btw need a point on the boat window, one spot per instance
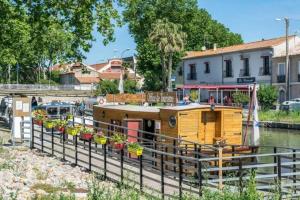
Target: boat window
(52, 111)
(64, 110)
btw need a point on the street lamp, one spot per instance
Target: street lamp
(124, 52)
(287, 74)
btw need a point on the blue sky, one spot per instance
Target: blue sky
(253, 19)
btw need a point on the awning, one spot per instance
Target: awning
(215, 87)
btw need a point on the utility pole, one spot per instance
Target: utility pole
(287, 74)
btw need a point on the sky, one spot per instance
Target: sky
(253, 19)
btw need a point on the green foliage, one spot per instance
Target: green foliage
(118, 138)
(267, 96)
(130, 86)
(194, 95)
(55, 196)
(240, 98)
(198, 25)
(169, 40)
(107, 87)
(35, 35)
(279, 116)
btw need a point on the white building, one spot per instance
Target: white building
(234, 65)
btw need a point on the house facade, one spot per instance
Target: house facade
(279, 76)
(234, 65)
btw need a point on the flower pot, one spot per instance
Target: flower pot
(137, 152)
(38, 122)
(48, 125)
(61, 129)
(119, 146)
(100, 140)
(86, 136)
(72, 131)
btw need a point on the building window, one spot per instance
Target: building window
(246, 67)
(180, 72)
(228, 68)
(207, 68)
(281, 73)
(193, 74)
(266, 65)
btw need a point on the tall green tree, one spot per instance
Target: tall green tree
(169, 40)
(200, 28)
(36, 34)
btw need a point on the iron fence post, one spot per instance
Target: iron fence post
(180, 175)
(52, 142)
(279, 175)
(90, 155)
(104, 154)
(275, 160)
(294, 171)
(174, 153)
(166, 157)
(42, 137)
(76, 150)
(63, 143)
(162, 176)
(121, 162)
(141, 172)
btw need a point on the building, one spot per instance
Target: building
(234, 65)
(279, 74)
(88, 76)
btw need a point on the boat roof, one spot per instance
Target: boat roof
(137, 108)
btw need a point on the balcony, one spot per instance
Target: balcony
(281, 78)
(192, 76)
(264, 71)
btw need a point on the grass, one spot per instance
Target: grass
(40, 175)
(46, 187)
(279, 116)
(55, 197)
(68, 185)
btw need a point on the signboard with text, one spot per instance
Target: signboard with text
(246, 80)
(161, 97)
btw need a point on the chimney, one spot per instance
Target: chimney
(215, 46)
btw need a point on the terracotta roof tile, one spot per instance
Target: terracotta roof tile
(240, 47)
(110, 75)
(98, 66)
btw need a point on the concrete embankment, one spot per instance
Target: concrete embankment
(270, 124)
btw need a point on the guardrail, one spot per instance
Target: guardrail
(170, 166)
(44, 87)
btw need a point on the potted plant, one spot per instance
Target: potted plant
(69, 116)
(39, 116)
(99, 138)
(49, 123)
(60, 125)
(135, 148)
(73, 130)
(118, 140)
(86, 133)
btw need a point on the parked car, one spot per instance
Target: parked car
(292, 105)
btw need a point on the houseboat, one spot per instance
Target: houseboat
(203, 124)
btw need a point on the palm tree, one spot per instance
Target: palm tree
(169, 40)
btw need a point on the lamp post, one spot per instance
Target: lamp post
(121, 85)
(287, 73)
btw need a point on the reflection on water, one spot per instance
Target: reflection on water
(280, 137)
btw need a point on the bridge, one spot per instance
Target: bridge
(45, 90)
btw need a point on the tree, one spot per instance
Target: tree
(240, 98)
(267, 95)
(37, 34)
(169, 40)
(130, 86)
(107, 87)
(200, 28)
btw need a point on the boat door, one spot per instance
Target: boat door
(209, 121)
(189, 126)
(133, 125)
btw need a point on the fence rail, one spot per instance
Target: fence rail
(170, 167)
(44, 87)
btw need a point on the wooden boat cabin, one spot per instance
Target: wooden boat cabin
(204, 124)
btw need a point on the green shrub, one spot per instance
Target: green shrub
(130, 86)
(107, 87)
(194, 95)
(267, 95)
(240, 98)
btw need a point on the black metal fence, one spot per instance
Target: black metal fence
(170, 166)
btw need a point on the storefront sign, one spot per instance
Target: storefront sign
(126, 98)
(246, 80)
